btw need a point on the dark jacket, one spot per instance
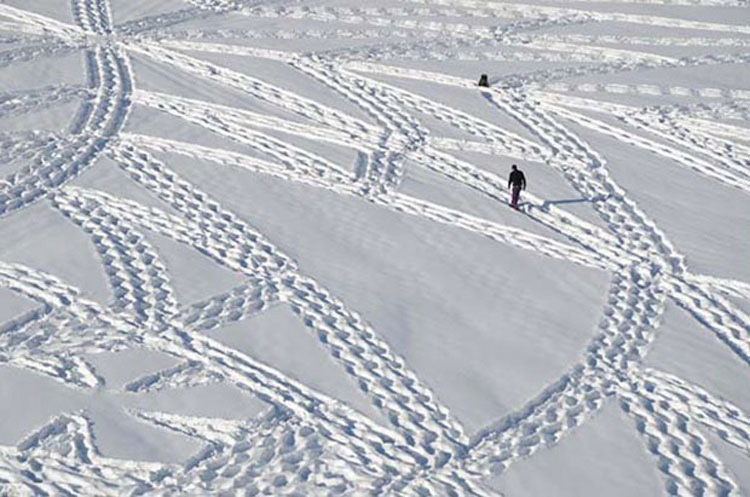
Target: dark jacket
(517, 178)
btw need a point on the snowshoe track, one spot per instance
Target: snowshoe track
(309, 443)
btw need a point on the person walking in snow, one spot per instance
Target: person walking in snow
(516, 181)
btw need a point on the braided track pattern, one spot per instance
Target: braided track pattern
(306, 442)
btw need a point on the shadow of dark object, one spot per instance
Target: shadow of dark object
(563, 201)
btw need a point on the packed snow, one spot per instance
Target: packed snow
(265, 248)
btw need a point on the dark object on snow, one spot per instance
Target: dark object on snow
(517, 182)
(516, 178)
(483, 81)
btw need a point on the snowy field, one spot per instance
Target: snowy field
(265, 248)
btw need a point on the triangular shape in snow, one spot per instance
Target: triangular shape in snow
(282, 75)
(109, 178)
(215, 400)
(155, 123)
(13, 306)
(193, 276)
(119, 368)
(122, 436)
(279, 339)
(603, 457)
(687, 349)
(47, 241)
(212, 430)
(166, 78)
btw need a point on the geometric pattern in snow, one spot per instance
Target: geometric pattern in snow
(278, 338)
(587, 463)
(310, 443)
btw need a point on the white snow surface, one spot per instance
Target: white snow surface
(258, 247)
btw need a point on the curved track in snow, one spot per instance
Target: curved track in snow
(307, 442)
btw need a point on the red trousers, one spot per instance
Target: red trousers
(515, 194)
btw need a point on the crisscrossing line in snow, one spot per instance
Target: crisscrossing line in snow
(308, 442)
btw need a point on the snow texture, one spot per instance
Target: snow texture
(258, 247)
